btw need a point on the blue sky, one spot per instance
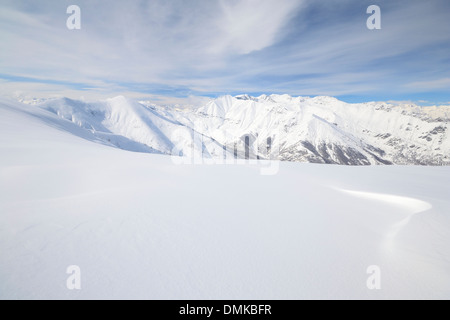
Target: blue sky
(183, 48)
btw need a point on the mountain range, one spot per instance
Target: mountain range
(275, 127)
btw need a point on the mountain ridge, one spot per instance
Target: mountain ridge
(279, 127)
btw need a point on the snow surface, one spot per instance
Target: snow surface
(140, 226)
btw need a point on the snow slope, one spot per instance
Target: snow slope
(132, 126)
(140, 226)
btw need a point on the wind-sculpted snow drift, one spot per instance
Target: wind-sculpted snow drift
(300, 129)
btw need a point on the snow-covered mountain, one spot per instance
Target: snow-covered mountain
(300, 129)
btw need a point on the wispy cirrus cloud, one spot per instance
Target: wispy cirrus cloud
(431, 85)
(252, 25)
(197, 47)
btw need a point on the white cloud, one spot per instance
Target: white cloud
(136, 41)
(227, 45)
(33, 90)
(251, 25)
(431, 85)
